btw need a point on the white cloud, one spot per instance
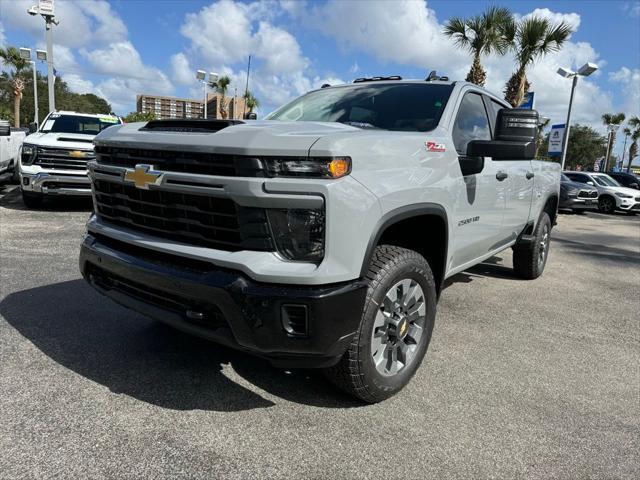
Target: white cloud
(629, 81)
(3, 38)
(182, 72)
(572, 19)
(79, 21)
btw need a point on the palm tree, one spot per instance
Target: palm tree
(611, 119)
(250, 101)
(544, 123)
(493, 31)
(534, 38)
(633, 123)
(221, 86)
(11, 58)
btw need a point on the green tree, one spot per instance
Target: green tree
(585, 146)
(493, 31)
(11, 59)
(250, 101)
(140, 117)
(221, 86)
(535, 37)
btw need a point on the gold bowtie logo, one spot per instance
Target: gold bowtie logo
(142, 176)
(77, 154)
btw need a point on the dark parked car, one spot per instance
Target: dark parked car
(629, 180)
(577, 196)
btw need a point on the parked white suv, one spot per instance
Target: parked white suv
(611, 195)
(53, 159)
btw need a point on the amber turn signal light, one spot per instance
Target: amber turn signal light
(339, 167)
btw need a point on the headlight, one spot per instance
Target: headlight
(298, 233)
(319, 167)
(623, 195)
(572, 192)
(28, 153)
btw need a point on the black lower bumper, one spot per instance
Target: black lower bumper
(225, 306)
(570, 203)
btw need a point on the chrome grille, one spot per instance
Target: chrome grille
(62, 159)
(187, 218)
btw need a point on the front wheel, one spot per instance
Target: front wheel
(395, 327)
(529, 260)
(606, 204)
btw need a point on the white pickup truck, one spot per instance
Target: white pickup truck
(321, 236)
(10, 143)
(53, 158)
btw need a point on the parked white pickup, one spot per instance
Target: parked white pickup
(10, 142)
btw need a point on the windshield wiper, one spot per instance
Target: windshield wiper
(360, 125)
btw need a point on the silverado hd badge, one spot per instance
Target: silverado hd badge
(142, 176)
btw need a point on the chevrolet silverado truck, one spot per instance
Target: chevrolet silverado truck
(321, 236)
(53, 159)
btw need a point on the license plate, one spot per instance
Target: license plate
(588, 202)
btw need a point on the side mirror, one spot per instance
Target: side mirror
(251, 116)
(515, 137)
(5, 130)
(590, 183)
(33, 127)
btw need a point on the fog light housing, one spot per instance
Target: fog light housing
(298, 233)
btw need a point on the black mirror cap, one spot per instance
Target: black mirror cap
(502, 149)
(517, 125)
(33, 127)
(5, 130)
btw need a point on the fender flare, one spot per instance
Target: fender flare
(403, 213)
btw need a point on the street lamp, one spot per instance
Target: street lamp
(584, 71)
(45, 9)
(25, 53)
(201, 76)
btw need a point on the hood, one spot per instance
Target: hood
(263, 137)
(75, 141)
(577, 186)
(629, 191)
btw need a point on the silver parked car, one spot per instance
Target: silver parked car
(611, 195)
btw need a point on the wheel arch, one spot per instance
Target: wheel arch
(429, 218)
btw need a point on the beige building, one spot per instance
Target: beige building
(169, 107)
(235, 106)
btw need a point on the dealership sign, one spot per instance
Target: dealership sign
(555, 140)
(45, 7)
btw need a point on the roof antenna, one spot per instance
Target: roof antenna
(432, 76)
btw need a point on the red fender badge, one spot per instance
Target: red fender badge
(435, 147)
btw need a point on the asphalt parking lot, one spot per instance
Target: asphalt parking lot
(523, 379)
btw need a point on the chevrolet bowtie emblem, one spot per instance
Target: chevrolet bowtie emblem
(142, 176)
(77, 154)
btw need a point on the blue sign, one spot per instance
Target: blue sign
(556, 136)
(527, 102)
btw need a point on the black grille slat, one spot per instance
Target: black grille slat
(182, 162)
(187, 218)
(58, 158)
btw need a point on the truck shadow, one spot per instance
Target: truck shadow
(11, 198)
(132, 355)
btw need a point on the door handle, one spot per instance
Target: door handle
(501, 176)
(530, 175)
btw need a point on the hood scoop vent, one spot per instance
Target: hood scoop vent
(188, 125)
(70, 139)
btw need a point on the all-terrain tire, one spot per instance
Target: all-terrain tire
(529, 260)
(356, 372)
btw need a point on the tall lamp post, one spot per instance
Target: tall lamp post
(201, 76)
(45, 9)
(25, 53)
(584, 71)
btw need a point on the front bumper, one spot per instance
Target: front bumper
(578, 203)
(629, 205)
(224, 305)
(56, 183)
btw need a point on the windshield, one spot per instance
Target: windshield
(605, 181)
(410, 107)
(77, 124)
(564, 178)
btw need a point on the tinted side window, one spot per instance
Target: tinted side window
(578, 177)
(471, 122)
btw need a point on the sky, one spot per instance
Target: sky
(121, 48)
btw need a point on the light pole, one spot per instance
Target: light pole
(584, 71)
(25, 53)
(201, 76)
(45, 9)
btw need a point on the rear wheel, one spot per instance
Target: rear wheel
(606, 204)
(529, 260)
(395, 328)
(32, 200)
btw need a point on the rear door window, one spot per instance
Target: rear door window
(471, 122)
